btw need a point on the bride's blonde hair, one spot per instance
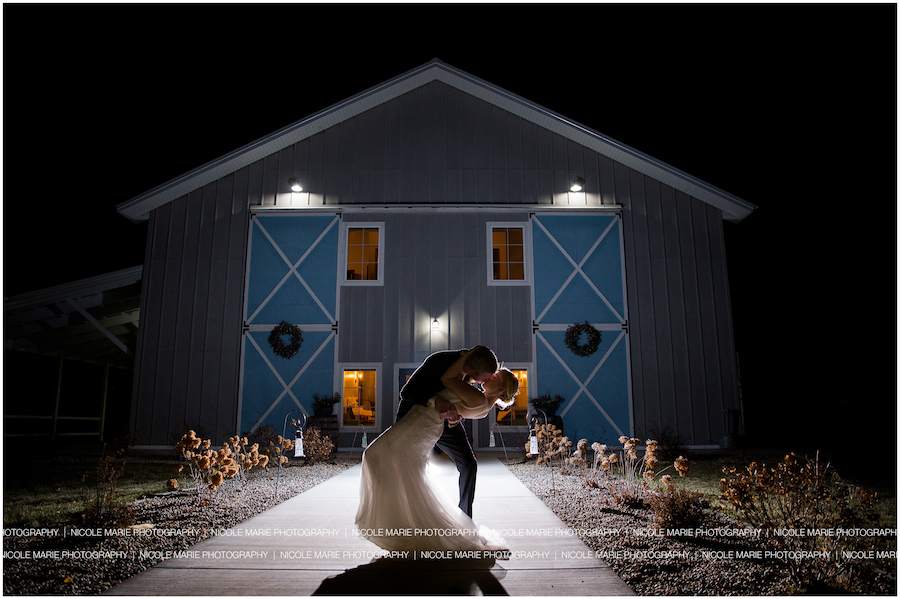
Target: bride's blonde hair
(507, 397)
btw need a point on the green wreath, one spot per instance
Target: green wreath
(573, 337)
(277, 343)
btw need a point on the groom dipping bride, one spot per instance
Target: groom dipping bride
(395, 493)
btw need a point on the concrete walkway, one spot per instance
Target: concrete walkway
(307, 546)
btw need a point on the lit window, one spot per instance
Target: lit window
(359, 397)
(363, 251)
(362, 254)
(517, 413)
(507, 248)
(509, 254)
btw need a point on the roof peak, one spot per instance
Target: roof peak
(139, 207)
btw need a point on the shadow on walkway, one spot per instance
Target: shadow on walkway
(390, 576)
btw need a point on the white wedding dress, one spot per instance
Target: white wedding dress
(399, 508)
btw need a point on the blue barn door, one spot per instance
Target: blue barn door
(291, 277)
(579, 277)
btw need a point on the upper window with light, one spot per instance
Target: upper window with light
(507, 248)
(364, 243)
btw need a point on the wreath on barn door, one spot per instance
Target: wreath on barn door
(277, 343)
(573, 338)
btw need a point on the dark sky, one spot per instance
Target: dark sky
(790, 107)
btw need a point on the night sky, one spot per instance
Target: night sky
(792, 108)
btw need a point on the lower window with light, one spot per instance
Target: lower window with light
(359, 397)
(517, 413)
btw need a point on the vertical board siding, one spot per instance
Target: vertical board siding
(682, 354)
(144, 369)
(436, 266)
(189, 330)
(435, 145)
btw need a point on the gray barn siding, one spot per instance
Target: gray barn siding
(682, 350)
(432, 145)
(435, 266)
(436, 145)
(190, 336)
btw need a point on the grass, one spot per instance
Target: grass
(45, 492)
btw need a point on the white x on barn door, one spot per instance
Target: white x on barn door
(579, 276)
(291, 277)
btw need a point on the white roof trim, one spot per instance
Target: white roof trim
(139, 207)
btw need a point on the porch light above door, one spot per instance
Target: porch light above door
(577, 184)
(295, 185)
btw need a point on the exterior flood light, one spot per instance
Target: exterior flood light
(577, 184)
(295, 185)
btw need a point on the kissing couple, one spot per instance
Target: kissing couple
(395, 492)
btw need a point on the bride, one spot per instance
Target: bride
(399, 509)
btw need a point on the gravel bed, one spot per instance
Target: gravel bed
(101, 567)
(650, 564)
(653, 564)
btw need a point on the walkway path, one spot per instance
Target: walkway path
(545, 560)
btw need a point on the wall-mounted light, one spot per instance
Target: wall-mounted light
(295, 185)
(577, 184)
(435, 325)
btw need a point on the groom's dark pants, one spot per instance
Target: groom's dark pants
(455, 444)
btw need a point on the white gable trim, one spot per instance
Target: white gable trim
(139, 207)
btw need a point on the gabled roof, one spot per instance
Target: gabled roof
(139, 207)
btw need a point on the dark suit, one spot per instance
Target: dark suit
(424, 384)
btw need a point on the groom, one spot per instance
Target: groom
(425, 383)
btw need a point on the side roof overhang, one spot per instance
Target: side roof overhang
(139, 208)
(91, 320)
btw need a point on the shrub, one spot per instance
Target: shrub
(316, 446)
(264, 438)
(210, 468)
(579, 458)
(803, 495)
(102, 508)
(549, 404)
(676, 508)
(628, 477)
(551, 444)
(277, 449)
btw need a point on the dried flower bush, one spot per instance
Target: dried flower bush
(675, 508)
(262, 437)
(103, 508)
(629, 477)
(551, 444)
(579, 461)
(631, 474)
(317, 447)
(278, 447)
(210, 468)
(579, 457)
(804, 495)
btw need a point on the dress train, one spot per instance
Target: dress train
(400, 509)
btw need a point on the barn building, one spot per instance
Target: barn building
(435, 211)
